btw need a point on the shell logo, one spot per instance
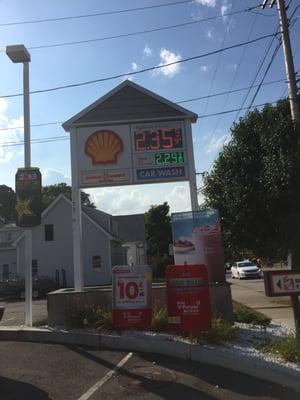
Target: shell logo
(103, 147)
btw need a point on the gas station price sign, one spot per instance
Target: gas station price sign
(155, 138)
(172, 158)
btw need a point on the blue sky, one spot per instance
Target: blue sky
(62, 65)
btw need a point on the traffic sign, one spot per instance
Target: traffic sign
(282, 283)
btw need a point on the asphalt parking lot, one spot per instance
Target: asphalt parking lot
(14, 314)
(44, 371)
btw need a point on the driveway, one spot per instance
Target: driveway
(43, 371)
(14, 313)
(251, 292)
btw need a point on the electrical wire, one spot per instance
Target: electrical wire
(99, 14)
(130, 34)
(153, 68)
(60, 138)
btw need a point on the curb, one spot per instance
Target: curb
(273, 372)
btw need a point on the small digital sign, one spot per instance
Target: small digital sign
(151, 139)
(28, 191)
(172, 158)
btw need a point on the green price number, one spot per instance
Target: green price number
(172, 158)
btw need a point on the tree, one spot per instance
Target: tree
(255, 184)
(7, 203)
(49, 193)
(158, 230)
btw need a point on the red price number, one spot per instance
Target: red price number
(157, 139)
(129, 290)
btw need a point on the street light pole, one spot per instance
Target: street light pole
(19, 54)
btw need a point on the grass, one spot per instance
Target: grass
(247, 315)
(94, 316)
(287, 348)
(40, 322)
(220, 332)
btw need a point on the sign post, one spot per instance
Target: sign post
(131, 288)
(285, 283)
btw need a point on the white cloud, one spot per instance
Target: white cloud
(209, 33)
(147, 51)
(225, 8)
(216, 143)
(12, 132)
(167, 57)
(204, 68)
(231, 67)
(52, 177)
(134, 66)
(208, 3)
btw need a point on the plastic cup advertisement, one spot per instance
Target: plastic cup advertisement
(197, 239)
(132, 306)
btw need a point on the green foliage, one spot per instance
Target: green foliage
(159, 319)
(255, 184)
(287, 348)
(40, 322)
(49, 194)
(80, 315)
(7, 203)
(220, 332)
(247, 315)
(158, 229)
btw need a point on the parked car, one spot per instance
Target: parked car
(15, 288)
(245, 269)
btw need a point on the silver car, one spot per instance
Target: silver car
(245, 269)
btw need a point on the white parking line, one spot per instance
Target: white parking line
(106, 377)
(8, 319)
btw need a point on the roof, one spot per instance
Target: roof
(132, 227)
(129, 102)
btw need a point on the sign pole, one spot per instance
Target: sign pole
(296, 311)
(191, 166)
(28, 232)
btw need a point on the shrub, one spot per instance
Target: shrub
(287, 348)
(247, 315)
(160, 319)
(220, 332)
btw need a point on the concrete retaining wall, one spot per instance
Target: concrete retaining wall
(61, 302)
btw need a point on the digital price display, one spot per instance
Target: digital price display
(147, 139)
(172, 158)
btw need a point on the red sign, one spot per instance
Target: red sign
(188, 298)
(132, 287)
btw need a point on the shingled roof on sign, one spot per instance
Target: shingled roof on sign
(129, 102)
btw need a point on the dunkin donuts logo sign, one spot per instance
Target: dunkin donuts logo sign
(103, 147)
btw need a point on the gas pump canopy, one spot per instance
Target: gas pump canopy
(131, 136)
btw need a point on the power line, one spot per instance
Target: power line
(60, 138)
(130, 34)
(178, 102)
(104, 13)
(153, 68)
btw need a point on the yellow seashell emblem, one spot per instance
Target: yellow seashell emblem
(103, 147)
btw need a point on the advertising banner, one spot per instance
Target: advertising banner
(188, 298)
(282, 283)
(131, 302)
(28, 191)
(197, 239)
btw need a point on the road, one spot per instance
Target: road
(43, 371)
(251, 292)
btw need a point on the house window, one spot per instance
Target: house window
(9, 237)
(34, 267)
(49, 233)
(5, 272)
(96, 261)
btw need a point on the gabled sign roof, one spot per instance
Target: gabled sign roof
(129, 102)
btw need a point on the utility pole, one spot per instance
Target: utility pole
(295, 113)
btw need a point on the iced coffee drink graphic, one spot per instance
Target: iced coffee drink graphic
(209, 250)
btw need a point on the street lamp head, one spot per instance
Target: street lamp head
(18, 53)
